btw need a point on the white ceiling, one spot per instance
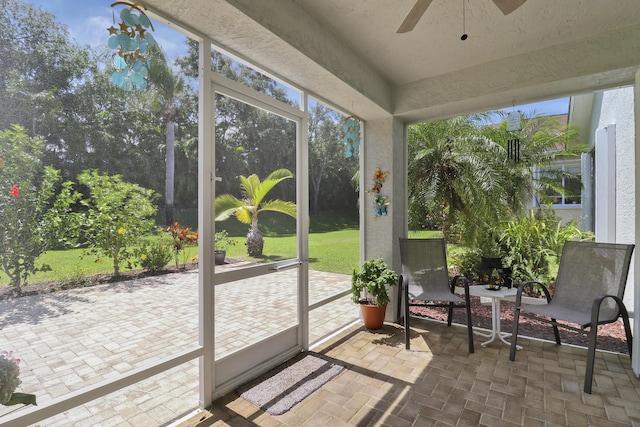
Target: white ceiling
(348, 52)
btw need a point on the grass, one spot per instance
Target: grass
(334, 246)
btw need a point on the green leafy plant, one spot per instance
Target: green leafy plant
(223, 241)
(28, 225)
(153, 257)
(369, 282)
(117, 214)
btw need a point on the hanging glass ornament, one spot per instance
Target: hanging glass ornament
(351, 128)
(131, 40)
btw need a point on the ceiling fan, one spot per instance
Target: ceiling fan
(418, 9)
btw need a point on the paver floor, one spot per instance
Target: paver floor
(70, 339)
(438, 383)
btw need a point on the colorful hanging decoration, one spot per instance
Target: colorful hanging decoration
(380, 202)
(132, 41)
(351, 128)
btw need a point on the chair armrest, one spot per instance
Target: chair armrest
(454, 282)
(465, 284)
(597, 302)
(522, 285)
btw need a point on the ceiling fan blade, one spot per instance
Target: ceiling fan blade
(508, 6)
(413, 16)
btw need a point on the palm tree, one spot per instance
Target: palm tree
(168, 85)
(452, 173)
(460, 176)
(246, 210)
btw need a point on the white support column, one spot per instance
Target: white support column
(384, 147)
(302, 175)
(605, 215)
(206, 170)
(635, 360)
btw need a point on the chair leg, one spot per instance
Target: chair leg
(467, 301)
(556, 333)
(591, 358)
(450, 314)
(469, 325)
(627, 329)
(514, 335)
(407, 330)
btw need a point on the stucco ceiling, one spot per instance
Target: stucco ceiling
(348, 51)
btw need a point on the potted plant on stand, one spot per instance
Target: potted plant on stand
(221, 244)
(369, 289)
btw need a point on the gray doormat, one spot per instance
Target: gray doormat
(280, 389)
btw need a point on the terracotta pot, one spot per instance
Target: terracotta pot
(373, 315)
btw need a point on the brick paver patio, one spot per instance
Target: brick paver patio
(70, 339)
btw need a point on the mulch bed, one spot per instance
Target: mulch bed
(611, 337)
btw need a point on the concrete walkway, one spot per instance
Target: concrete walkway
(71, 339)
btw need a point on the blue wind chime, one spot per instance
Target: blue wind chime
(132, 41)
(351, 129)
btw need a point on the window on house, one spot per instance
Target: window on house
(561, 184)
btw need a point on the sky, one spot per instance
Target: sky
(88, 20)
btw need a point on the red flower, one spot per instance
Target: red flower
(15, 191)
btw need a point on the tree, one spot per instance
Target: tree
(38, 69)
(329, 168)
(247, 209)
(452, 173)
(460, 176)
(168, 85)
(117, 215)
(27, 190)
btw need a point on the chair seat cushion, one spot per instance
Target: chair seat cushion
(436, 295)
(559, 313)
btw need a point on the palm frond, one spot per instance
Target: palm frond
(227, 205)
(288, 208)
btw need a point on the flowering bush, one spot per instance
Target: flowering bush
(117, 215)
(9, 381)
(182, 236)
(31, 215)
(154, 256)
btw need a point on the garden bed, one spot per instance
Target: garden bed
(611, 337)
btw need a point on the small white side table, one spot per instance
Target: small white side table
(496, 297)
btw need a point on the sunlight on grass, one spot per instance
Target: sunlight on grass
(331, 251)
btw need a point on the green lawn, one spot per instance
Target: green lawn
(334, 251)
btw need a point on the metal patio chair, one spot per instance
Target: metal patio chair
(425, 282)
(588, 292)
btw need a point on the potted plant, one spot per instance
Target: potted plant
(222, 242)
(369, 289)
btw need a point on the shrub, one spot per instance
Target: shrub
(117, 215)
(31, 217)
(155, 256)
(531, 245)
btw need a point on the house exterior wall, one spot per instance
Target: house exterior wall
(616, 107)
